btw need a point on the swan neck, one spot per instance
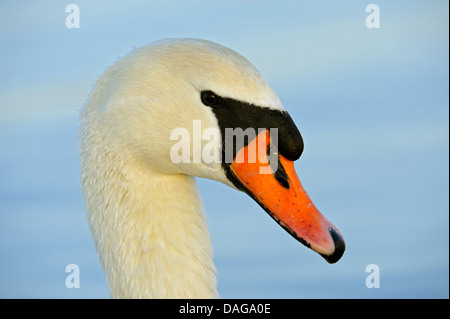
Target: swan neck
(151, 233)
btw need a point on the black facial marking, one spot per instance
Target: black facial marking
(281, 176)
(232, 113)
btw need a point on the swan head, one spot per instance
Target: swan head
(194, 107)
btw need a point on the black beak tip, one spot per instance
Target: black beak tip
(339, 247)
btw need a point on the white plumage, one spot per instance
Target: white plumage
(144, 211)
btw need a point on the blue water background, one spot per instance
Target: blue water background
(372, 106)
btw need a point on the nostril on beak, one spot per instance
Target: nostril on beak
(339, 247)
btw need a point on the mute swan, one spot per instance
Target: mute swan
(143, 208)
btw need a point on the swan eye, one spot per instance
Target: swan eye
(209, 98)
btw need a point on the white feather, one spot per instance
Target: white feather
(144, 211)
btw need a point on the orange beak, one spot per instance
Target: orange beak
(278, 190)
